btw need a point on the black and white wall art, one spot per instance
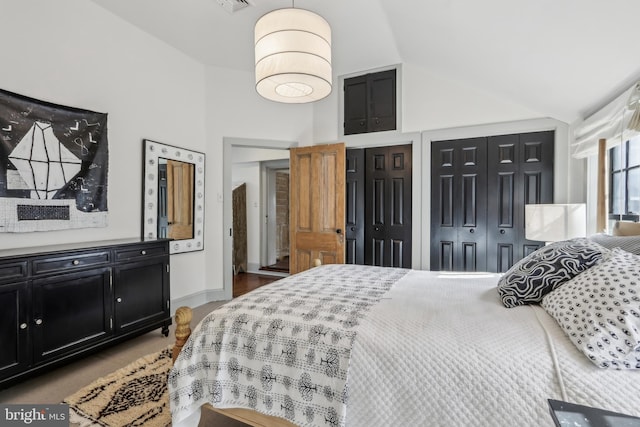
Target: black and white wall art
(53, 166)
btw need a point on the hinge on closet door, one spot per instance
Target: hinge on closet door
(111, 323)
(167, 268)
(111, 281)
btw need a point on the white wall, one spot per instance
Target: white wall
(75, 53)
(428, 101)
(235, 112)
(439, 108)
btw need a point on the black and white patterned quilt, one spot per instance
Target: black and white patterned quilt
(282, 350)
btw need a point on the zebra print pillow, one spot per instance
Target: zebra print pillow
(544, 270)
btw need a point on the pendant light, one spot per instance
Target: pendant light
(293, 56)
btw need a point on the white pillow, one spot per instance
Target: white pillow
(628, 243)
(599, 310)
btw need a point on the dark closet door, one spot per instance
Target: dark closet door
(382, 108)
(388, 206)
(520, 172)
(370, 103)
(356, 105)
(459, 205)
(354, 206)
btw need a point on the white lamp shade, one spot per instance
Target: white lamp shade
(293, 56)
(552, 223)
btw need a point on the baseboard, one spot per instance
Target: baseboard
(197, 299)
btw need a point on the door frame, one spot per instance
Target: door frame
(228, 143)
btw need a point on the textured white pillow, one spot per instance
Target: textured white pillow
(628, 243)
(599, 310)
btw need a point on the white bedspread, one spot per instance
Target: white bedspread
(441, 350)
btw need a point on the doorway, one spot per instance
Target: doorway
(243, 159)
(275, 233)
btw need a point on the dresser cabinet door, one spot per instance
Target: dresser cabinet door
(14, 356)
(141, 292)
(70, 312)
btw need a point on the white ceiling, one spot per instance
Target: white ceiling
(562, 58)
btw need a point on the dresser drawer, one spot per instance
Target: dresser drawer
(12, 271)
(141, 252)
(70, 262)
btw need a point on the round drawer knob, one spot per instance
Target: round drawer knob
(38, 321)
(472, 231)
(502, 231)
(143, 252)
(23, 326)
(75, 262)
(119, 299)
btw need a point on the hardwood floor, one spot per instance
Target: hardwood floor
(246, 282)
(282, 266)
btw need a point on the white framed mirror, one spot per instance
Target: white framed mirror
(173, 198)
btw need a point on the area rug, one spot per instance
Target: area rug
(135, 395)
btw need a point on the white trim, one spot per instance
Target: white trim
(197, 299)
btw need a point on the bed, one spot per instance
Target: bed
(345, 345)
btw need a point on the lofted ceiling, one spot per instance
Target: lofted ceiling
(561, 58)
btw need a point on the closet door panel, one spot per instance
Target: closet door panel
(520, 169)
(536, 164)
(388, 206)
(459, 202)
(471, 214)
(444, 234)
(502, 170)
(354, 206)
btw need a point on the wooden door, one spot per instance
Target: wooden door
(180, 199)
(520, 172)
(355, 206)
(239, 196)
(317, 206)
(459, 205)
(388, 181)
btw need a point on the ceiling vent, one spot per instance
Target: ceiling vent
(232, 6)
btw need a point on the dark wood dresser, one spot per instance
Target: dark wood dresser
(58, 303)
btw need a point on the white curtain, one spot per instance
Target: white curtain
(617, 121)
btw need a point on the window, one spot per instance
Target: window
(624, 181)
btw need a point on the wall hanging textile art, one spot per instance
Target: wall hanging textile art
(53, 166)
